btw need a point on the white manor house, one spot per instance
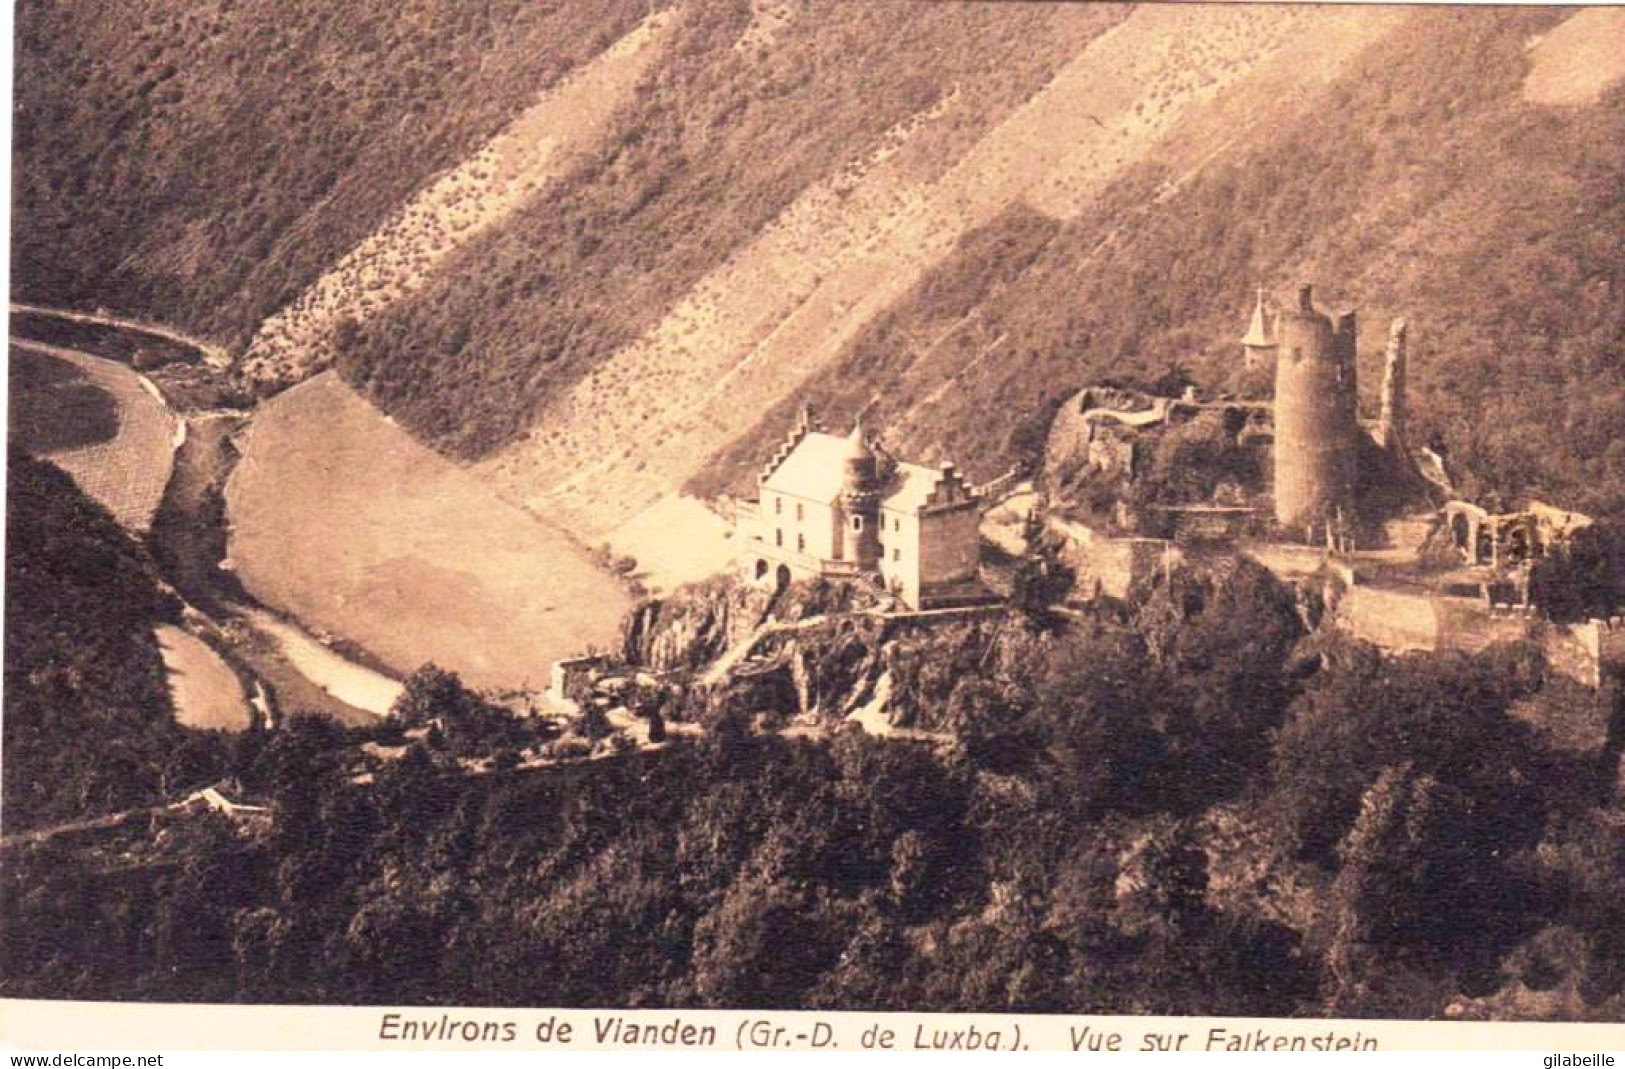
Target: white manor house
(839, 506)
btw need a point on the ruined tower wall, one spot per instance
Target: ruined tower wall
(1391, 424)
(1316, 427)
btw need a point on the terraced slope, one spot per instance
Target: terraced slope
(1420, 180)
(953, 212)
(396, 260)
(202, 164)
(750, 161)
(749, 335)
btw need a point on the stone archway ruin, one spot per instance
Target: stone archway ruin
(1468, 533)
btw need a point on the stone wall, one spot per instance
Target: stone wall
(1401, 621)
(1588, 651)
(1287, 562)
(1106, 566)
(1397, 621)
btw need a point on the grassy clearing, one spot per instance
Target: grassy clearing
(206, 692)
(98, 422)
(1577, 62)
(55, 406)
(342, 519)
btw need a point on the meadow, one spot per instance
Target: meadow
(403, 552)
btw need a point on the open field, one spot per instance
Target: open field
(1576, 62)
(55, 406)
(99, 422)
(342, 519)
(206, 692)
(677, 540)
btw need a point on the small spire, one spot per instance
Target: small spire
(858, 447)
(1259, 335)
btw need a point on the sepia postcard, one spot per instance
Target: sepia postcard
(796, 524)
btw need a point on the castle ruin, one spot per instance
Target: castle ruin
(1305, 487)
(1316, 417)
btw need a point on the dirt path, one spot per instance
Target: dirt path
(111, 820)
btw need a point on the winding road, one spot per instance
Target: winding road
(127, 477)
(214, 355)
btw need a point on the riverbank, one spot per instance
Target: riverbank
(175, 503)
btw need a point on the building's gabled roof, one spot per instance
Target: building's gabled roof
(1259, 335)
(814, 470)
(914, 488)
(910, 488)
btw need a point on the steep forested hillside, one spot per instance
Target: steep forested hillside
(1155, 808)
(726, 133)
(88, 722)
(205, 166)
(1420, 184)
(202, 163)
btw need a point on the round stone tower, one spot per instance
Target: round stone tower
(1316, 420)
(858, 513)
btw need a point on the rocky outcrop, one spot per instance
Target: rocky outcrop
(702, 622)
(694, 626)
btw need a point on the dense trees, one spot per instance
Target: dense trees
(88, 723)
(1150, 808)
(203, 165)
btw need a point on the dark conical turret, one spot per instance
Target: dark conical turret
(1258, 345)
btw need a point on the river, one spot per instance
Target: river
(206, 692)
(345, 680)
